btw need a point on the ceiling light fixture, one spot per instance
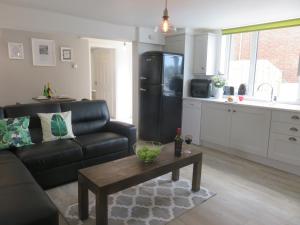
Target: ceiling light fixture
(165, 26)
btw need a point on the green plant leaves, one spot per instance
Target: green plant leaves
(14, 132)
(58, 126)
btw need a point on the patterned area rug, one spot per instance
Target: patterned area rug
(155, 202)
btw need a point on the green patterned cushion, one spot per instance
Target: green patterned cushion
(56, 126)
(14, 132)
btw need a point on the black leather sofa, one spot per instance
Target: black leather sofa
(25, 171)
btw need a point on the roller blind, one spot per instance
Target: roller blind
(264, 26)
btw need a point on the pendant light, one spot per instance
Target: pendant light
(165, 26)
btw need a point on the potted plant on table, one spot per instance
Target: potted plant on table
(218, 84)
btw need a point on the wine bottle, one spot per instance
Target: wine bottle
(49, 91)
(178, 143)
(45, 91)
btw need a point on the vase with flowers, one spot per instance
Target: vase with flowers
(218, 84)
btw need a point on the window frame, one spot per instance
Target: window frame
(253, 62)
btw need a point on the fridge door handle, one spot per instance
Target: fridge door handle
(143, 78)
(143, 89)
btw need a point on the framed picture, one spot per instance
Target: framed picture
(43, 52)
(15, 50)
(66, 54)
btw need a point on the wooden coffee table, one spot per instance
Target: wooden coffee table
(114, 176)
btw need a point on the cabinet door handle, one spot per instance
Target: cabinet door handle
(295, 117)
(294, 129)
(293, 139)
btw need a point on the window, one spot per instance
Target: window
(269, 56)
(239, 60)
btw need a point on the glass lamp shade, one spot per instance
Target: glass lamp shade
(165, 26)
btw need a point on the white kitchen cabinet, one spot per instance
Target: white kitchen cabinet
(191, 118)
(250, 130)
(285, 148)
(285, 137)
(206, 58)
(149, 36)
(215, 123)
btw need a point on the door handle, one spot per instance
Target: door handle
(293, 139)
(295, 117)
(143, 78)
(143, 89)
(229, 110)
(234, 110)
(294, 129)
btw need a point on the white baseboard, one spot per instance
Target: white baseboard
(265, 161)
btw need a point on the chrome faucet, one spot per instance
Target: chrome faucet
(272, 90)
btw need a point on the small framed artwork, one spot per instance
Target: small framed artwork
(43, 52)
(15, 50)
(66, 54)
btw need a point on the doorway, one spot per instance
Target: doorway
(111, 76)
(104, 77)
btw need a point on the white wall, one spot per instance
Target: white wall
(124, 82)
(20, 81)
(21, 18)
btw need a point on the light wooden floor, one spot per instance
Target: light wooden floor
(247, 194)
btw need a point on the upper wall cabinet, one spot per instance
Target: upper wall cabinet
(149, 36)
(207, 48)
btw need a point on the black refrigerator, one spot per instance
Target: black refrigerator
(161, 84)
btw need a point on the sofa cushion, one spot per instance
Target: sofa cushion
(14, 132)
(23, 202)
(99, 144)
(26, 204)
(32, 110)
(56, 126)
(7, 156)
(49, 155)
(12, 170)
(87, 116)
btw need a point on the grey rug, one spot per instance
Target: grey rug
(155, 202)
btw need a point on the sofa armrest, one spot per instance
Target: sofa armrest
(127, 130)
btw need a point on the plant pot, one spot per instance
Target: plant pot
(219, 93)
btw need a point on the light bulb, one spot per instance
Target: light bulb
(165, 26)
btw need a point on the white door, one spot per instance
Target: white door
(215, 123)
(104, 77)
(191, 118)
(250, 129)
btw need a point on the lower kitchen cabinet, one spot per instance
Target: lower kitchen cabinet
(285, 148)
(215, 123)
(250, 128)
(191, 116)
(272, 135)
(243, 128)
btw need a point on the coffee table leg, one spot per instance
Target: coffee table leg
(175, 175)
(197, 176)
(83, 200)
(101, 208)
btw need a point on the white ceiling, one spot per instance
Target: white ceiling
(211, 14)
